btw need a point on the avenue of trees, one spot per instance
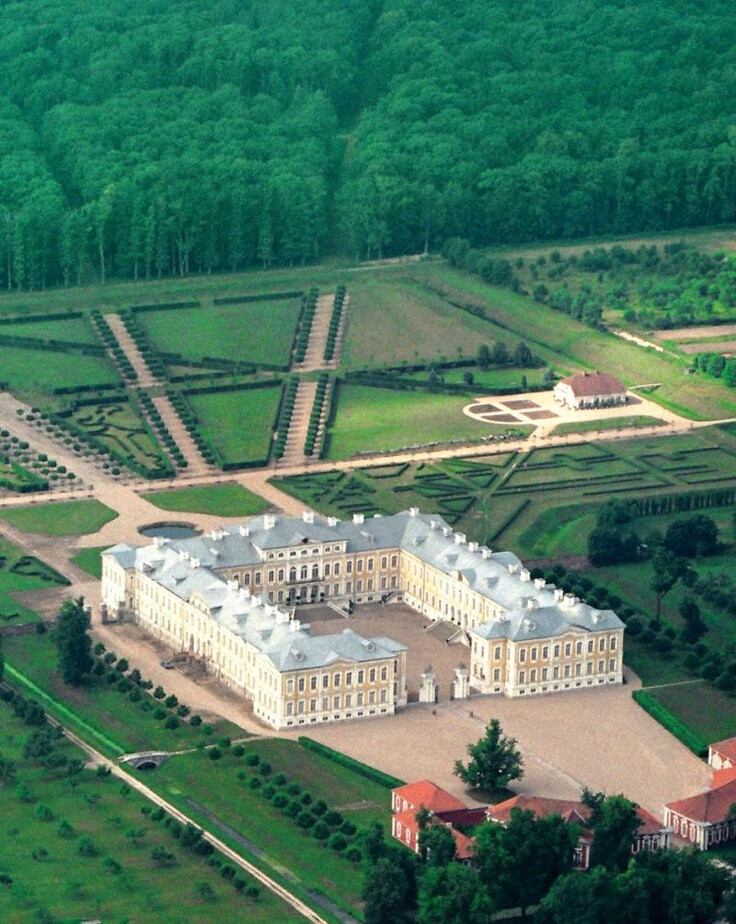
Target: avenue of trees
(142, 138)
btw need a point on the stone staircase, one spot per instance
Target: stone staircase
(298, 425)
(314, 359)
(146, 379)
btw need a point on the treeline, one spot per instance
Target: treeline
(141, 139)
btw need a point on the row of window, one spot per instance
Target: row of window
(566, 673)
(373, 673)
(533, 650)
(337, 702)
(306, 572)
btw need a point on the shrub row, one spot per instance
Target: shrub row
(305, 325)
(334, 327)
(56, 346)
(163, 306)
(370, 773)
(45, 316)
(111, 342)
(284, 418)
(188, 418)
(20, 479)
(697, 500)
(268, 297)
(669, 721)
(225, 366)
(161, 428)
(83, 389)
(386, 379)
(150, 355)
(316, 415)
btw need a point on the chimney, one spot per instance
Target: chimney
(269, 521)
(460, 538)
(358, 518)
(486, 552)
(525, 575)
(308, 516)
(413, 511)
(332, 521)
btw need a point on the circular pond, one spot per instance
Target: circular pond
(170, 530)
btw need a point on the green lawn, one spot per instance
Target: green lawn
(503, 377)
(126, 726)
(60, 518)
(610, 423)
(33, 373)
(216, 785)
(15, 577)
(89, 560)
(73, 330)
(55, 877)
(380, 419)
(708, 711)
(254, 332)
(239, 424)
(222, 500)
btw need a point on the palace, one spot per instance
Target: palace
(225, 597)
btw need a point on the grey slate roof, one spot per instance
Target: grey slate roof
(531, 609)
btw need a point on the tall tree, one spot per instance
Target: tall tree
(452, 894)
(614, 822)
(494, 760)
(73, 642)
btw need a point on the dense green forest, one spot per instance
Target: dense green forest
(141, 137)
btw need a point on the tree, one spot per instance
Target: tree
(453, 895)
(697, 535)
(7, 770)
(2, 660)
(694, 628)
(614, 822)
(436, 844)
(519, 862)
(73, 642)
(483, 356)
(668, 568)
(384, 893)
(594, 898)
(494, 760)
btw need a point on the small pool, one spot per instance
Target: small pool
(170, 530)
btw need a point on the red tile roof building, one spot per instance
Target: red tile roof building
(706, 819)
(408, 800)
(722, 754)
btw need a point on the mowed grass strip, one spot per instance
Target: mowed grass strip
(239, 424)
(215, 784)
(73, 330)
(610, 423)
(61, 518)
(66, 883)
(253, 332)
(710, 713)
(380, 419)
(221, 500)
(37, 372)
(89, 560)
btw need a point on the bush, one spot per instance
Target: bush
(305, 820)
(293, 789)
(238, 750)
(171, 701)
(319, 807)
(320, 831)
(255, 782)
(333, 819)
(172, 722)
(269, 790)
(280, 800)
(337, 842)
(215, 753)
(265, 768)
(348, 828)
(279, 779)
(353, 854)
(195, 720)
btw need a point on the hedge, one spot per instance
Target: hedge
(370, 773)
(269, 297)
(56, 346)
(46, 316)
(669, 721)
(677, 503)
(164, 306)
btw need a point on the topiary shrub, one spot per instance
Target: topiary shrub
(305, 820)
(337, 842)
(215, 753)
(320, 831)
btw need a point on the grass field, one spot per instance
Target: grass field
(254, 332)
(222, 500)
(503, 377)
(73, 330)
(702, 707)
(611, 423)
(122, 430)
(128, 725)
(239, 424)
(62, 518)
(34, 373)
(89, 560)
(380, 419)
(216, 785)
(100, 866)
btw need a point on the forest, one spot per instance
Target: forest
(145, 138)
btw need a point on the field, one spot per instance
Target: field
(223, 786)
(222, 500)
(380, 419)
(80, 849)
(499, 377)
(64, 518)
(612, 423)
(238, 424)
(122, 431)
(35, 373)
(702, 707)
(260, 333)
(72, 330)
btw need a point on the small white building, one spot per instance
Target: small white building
(590, 389)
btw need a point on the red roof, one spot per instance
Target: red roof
(726, 748)
(569, 810)
(426, 794)
(711, 806)
(590, 384)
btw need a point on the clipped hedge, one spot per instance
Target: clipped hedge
(269, 297)
(669, 721)
(370, 773)
(45, 316)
